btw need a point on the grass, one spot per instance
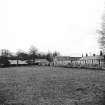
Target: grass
(51, 86)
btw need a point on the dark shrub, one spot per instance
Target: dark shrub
(4, 62)
(29, 62)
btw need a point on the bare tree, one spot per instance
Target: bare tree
(6, 53)
(101, 32)
(33, 53)
(56, 54)
(17, 57)
(50, 58)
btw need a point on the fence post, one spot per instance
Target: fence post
(99, 62)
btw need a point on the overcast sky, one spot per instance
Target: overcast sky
(66, 26)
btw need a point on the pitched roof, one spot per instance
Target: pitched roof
(66, 58)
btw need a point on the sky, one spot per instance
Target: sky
(66, 26)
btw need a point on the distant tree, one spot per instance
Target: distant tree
(94, 54)
(17, 57)
(86, 54)
(56, 54)
(101, 53)
(22, 55)
(33, 53)
(101, 32)
(4, 61)
(6, 53)
(4, 58)
(49, 57)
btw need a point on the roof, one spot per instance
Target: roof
(41, 60)
(66, 58)
(19, 62)
(13, 61)
(96, 57)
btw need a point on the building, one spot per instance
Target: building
(64, 60)
(96, 59)
(19, 62)
(42, 62)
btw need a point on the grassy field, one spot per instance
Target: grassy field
(51, 86)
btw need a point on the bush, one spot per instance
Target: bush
(4, 61)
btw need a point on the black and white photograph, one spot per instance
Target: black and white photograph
(52, 52)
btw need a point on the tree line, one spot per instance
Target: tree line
(30, 56)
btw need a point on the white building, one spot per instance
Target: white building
(97, 59)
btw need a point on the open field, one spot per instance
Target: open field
(51, 86)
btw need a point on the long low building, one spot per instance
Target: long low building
(24, 62)
(14, 62)
(64, 60)
(97, 59)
